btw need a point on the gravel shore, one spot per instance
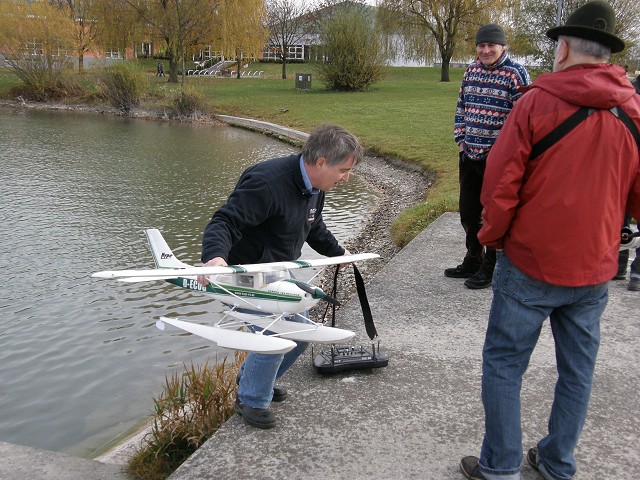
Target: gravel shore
(401, 187)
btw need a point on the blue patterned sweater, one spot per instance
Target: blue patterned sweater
(486, 97)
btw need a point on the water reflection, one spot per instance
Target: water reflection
(81, 358)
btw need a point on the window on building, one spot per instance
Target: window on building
(112, 54)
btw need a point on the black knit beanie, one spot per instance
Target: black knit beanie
(491, 33)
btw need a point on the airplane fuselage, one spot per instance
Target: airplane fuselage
(280, 296)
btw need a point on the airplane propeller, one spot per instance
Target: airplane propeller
(315, 292)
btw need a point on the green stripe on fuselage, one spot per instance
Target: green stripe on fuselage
(237, 269)
(192, 284)
(302, 263)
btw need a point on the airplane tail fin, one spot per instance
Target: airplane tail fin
(162, 254)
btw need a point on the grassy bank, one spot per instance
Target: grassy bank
(408, 116)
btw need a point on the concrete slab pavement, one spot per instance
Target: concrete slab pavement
(25, 463)
(417, 417)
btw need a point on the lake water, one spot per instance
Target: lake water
(80, 358)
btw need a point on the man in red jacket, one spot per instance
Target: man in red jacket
(552, 209)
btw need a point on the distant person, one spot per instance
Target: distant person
(623, 264)
(160, 72)
(623, 258)
(490, 87)
(274, 209)
(554, 216)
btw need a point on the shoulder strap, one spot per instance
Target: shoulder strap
(369, 326)
(626, 119)
(573, 121)
(364, 304)
(560, 131)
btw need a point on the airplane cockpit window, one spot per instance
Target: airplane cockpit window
(275, 276)
(245, 281)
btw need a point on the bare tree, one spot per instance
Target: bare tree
(447, 22)
(288, 23)
(85, 31)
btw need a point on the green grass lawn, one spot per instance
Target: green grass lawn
(408, 116)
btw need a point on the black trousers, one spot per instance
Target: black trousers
(471, 175)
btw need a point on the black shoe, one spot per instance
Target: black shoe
(464, 270)
(279, 393)
(471, 469)
(479, 280)
(256, 417)
(634, 284)
(532, 457)
(621, 275)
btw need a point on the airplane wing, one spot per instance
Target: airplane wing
(166, 273)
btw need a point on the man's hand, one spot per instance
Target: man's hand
(342, 265)
(214, 262)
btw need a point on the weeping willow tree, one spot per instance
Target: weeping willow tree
(526, 22)
(36, 37)
(525, 31)
(442, 27)
(241, 33)
(181, 24)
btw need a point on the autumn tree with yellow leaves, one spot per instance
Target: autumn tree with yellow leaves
(36, 38)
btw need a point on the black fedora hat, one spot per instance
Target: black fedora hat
(594, 21)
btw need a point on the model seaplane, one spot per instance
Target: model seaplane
(264, 289)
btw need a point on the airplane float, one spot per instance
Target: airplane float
(265, 290)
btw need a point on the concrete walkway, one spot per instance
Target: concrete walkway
(417, 417)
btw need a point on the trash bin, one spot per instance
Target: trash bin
(303, 81)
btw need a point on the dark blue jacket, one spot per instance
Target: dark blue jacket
(268, 217)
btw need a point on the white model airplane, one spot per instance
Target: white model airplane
(264, 288)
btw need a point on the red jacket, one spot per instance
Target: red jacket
(558, 217)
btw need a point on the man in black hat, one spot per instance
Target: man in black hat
(489, 89)
(555, 170)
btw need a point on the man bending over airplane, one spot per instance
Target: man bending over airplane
(275, 207)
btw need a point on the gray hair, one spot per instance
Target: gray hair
(588, 47)
(333, 143)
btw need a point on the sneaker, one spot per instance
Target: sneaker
(620, 276)
(634, 284)
(256, 417)
(464, 270)
(532, 457)
(479, 280)
(471, 469)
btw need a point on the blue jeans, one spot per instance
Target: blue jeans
(520, 306)
(259, 372)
